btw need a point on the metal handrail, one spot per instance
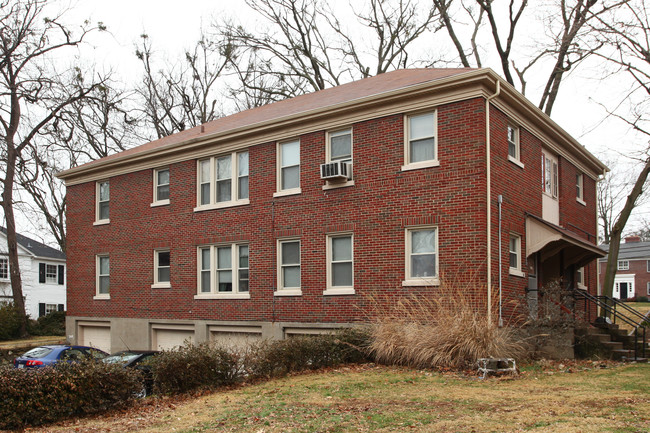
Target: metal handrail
(600, 301)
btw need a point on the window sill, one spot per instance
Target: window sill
(161, 286)
(515, 161)
(581, 286)
(102, 297)
(288, 292)
(286, 192)
(223, 296)
(101, 222)
(581, 201)
(159, 203)
(421, 282)
(339, 291)
(333, 185)
(222, 205)
(516, 273)
(419, 165)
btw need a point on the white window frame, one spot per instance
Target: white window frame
(234, 269)
(288, 291)
(648, 288)
(156, 200)
(408, 165)
(51, 277)
(580, 189)
(157, 284)
(4, 269)
(622, 265)
(419, 281)
(580, 278)
(338, 290)
(278, 180)
(516, 271)
(51, 308)
(98, 276)
(328, 155)
(98, 184)
(550, 175)
(516, 158)
(234, 182)
(647, 264)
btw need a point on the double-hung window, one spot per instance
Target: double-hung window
(103, 277)
(339, 145)
(514, 145)
(288, 179)
(580, 189)
(340, 265)
(4, 268)
(102, 194)
(623, 265)
(160, 187)
(223, 181)
(550, 175)
(51, 275)
(420, 144)
(580, 278)
(515, 255)
(288, 268)
(421, 256)
(162, 269)
(223, 271)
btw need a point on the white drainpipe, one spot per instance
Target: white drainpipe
(489, 201)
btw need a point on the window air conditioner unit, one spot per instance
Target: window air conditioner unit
(336, 170)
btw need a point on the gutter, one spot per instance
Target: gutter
(489, 200)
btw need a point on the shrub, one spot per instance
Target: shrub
(39, 396)
(50, 324)
(443, 332)
(280, 357)
(9, 321)
(192, 367)
(642, 299)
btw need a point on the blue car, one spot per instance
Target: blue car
(43, 356)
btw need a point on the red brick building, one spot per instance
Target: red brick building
(632, 280)
(298, 216)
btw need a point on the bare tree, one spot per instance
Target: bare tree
(185, 94)
(32, 96)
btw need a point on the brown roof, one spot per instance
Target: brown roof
(329, 97)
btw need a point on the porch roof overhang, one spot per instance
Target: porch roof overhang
(548, 239)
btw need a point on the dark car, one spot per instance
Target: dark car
(43, 356)
(140, 360)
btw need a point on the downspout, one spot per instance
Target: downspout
(500, 201)
(489, 192)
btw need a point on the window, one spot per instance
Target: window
(339, 145)
(289, 267)
(580, 278)
(513, 143)
(223, 271)
(421, 141)
(647, 266)
(580, 188)
(550, 174)
(421, 256)
(288, 180)
(223, 181)
(162, 268)
(623, 265)
(4, 268)
(648, 288)
(515, 255)
(50, 274)
(50, 308)
(161, 186)
(103, 194)
(103, 277)
(340, 269)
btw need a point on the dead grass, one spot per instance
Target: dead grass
(547, 397)
(440, 332)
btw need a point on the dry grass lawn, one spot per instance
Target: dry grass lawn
(574, 397)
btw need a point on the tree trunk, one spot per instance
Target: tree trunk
(12, 243)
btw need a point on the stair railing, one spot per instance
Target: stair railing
(609, 305)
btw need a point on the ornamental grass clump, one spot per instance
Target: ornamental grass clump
(441, 332)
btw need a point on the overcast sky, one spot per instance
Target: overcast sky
(175, 25)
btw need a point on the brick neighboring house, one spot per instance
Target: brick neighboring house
(42, 272)
(235, 230)
(632, 278)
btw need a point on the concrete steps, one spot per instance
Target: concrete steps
(608, 341)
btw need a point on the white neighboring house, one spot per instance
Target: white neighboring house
(43, 276)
